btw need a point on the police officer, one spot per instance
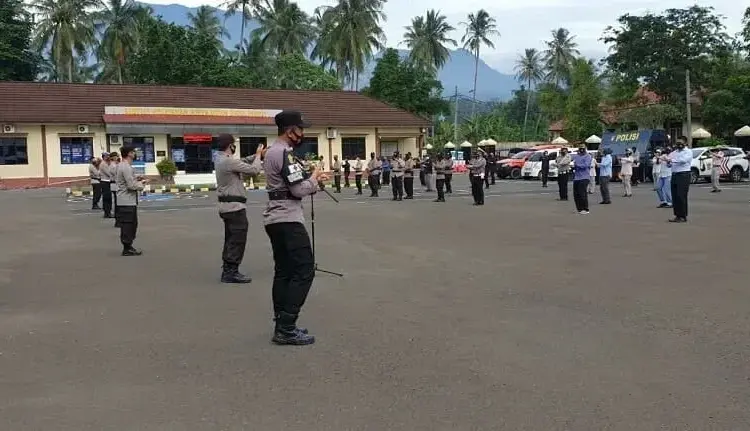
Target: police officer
(294, 263)
(347, 171)
(448, 171)
(232, 204)
(96, 186)
(373, 177)
(358, 175)
(397, 180)
(115, 158)
(476, 175)
(440, 178)
(336, 168)
(128, 186)
(105, 179)
(409, 164)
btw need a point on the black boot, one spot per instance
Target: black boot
(287, 333)
(129, 250)
(231, 274)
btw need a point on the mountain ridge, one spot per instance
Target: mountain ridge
(457, 72)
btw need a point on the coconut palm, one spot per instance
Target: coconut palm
(559, 55)
(118, 25)
(530, 70)
(245, 8)
(426, 38)
(67, 30)
(284, 27)
(480, 27)
(206, 23)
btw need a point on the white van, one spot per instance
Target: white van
(533, 166)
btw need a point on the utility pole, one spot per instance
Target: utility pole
(688, 110)
(455, 119)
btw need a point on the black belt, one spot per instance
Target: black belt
(226, 199)
(282, 195)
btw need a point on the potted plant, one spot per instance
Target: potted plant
(167, 169)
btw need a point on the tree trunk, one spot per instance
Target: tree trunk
(119, 75)
(474, 94)
(356, 80)
(528, 102)
(242, 28)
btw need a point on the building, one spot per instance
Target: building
(50, 131)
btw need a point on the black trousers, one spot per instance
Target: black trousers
(358, 182)
(439, 185)
(107, 198)
(386, 177)
(604, 188)
(397, 185)
(476, 189)
(372, 181)
(680, 188)
(337, 182)
(235, 237)
(409, 186)
(421, 178)
(97, 191)
(545, 177)
(346, 179)
(127, 218)
(294, 266)
(448, 186)
(562, 184)
(581, 195)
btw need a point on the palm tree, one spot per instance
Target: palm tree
(118, 25)
(529, 69)
(206, 23)
(67, 30)
(479, 29)
(284, 27)
(559, 55)
(426, 37)
(244, 7)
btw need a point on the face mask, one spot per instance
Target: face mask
(232, 148)
(295, 138)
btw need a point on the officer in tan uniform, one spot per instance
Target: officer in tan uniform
(440, 178)
(106, 176)
(397, 174)
(409, 176)
(373, 177)
(336, 168)
(294, 263)
(358, 167)
(448, 171)
(232, 204)
(476, 174)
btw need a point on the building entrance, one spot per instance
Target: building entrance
(194, 154)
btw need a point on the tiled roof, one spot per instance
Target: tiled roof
(36, 102)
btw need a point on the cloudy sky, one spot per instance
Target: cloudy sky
(525, 23)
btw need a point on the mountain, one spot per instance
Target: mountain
(458, 71)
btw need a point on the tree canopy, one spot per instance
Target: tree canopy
(17, 60)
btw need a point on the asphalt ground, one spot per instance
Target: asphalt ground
(518, 315)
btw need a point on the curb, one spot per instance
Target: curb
(179, 189)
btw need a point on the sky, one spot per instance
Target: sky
(524, 23)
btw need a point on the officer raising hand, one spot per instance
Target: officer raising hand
(287, 183)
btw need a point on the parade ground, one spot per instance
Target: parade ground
(516, 315)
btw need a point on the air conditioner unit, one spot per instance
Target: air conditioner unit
(82, 128)
(9, 128)
(114, 139)
(332, 133)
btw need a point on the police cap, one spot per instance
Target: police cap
(286, 119)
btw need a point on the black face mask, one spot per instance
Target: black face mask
(296, 138)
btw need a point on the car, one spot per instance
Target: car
(532, 168)
(512, 166)
(734, 165)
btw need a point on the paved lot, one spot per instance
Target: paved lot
(519, 315)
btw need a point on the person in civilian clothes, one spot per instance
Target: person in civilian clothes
(128, 187)
(373, 175)
(232, 204)
(336, 168)
(592, 176)
(386, 164)
(680, 160)
(545, 168)
(96, 185)
(409, 164)
(563, 161)
(283, 218)
(663, 175)
(347, 171)
(440, 178)
(581, 179)
(448, 170)
(105, 178)
(605, 176)
(489, 174)
(428, 168)
(716, 158)
(476, 168)
(397, 181)
(626, 173)
(115, 158)
(636, 178)
(358, 166)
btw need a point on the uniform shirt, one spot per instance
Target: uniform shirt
(627, 165)
(439, 170)
(105, 172)
(592, 170)
(288, 210)
(336, 167)
(398, 166)
(113, 176)
(581, 167)
(358, 167)
(229, 182)
(409, 168)
(716, 159)
(127, 186)
(321, 166)
(448, 168)
(605, 167)
(94, 174)
(563, 163)
(374, 166)
(476, 166)
(681, 160)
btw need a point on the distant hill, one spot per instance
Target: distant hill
(458, 71)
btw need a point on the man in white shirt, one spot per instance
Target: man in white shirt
(680, 161)
(663, 180)
(716, 158)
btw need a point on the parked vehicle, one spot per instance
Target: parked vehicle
(645, 141)
(734, 165)
(512, 166)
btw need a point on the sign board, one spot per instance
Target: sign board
(197, 138)
(198, 112)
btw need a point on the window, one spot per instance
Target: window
(309, 147)
(249, 144)
(144, 147)
(351, 148)
(76, 150)
(387, 148)
(13, 151)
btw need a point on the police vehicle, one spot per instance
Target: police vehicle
(734, 165)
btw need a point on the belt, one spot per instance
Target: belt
(226, 199)
(282, 195)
